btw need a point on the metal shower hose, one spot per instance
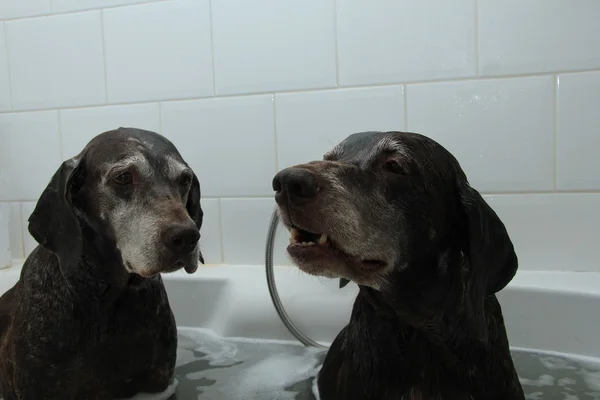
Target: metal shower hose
(273, 288)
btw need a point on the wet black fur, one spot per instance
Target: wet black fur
(436, 331)
(77, 325)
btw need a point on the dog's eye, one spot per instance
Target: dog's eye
(185, 180)
(394, 167)
(124, 179)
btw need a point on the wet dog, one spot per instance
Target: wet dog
(394, 213)
(89, 317)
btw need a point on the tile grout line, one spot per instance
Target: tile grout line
(212, 46)
(477, 72)
(160, 118)
(60, 135)
(275, 134)
(220, 204)
(336, 44)
(81, 10)
(22, 224)
(405, 93)
(483, 193)
(104, 56)
(312, 90)
(10, 91)
(556, 91)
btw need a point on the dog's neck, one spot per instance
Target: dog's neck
(439, 330)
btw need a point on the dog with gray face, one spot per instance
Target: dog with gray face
(394, 212)
(89, 317)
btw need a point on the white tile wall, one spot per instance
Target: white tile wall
(532, 36)
(234, 151)
(56, 61)
(273, 45)
(79, 125)
(210, 242)
(309, 124)
(158, 51)
(15, 231)
(5, 246)
(552, 232)
(578, 141)
(245, 223)
(75, 5)
(387, 41)
(29, 155)
(23, 8)
(244, 88)
(29, 242)
(501, 131)
(4, 81)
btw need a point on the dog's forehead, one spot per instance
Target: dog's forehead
(143, 149)
(366, 145)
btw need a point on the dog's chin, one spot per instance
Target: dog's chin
(190, 265)
(319, 255)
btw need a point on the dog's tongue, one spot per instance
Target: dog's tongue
(190, 269)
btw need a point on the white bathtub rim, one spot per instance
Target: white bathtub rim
(565, 282)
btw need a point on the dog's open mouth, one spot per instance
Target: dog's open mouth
(309, 246)
(299, 237)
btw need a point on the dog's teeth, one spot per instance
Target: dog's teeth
(294, 236)
(322, 239)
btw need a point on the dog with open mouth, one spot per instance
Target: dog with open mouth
(89, 317)
(394, 213)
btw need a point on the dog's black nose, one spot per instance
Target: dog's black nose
(296, 185)
(181, 239)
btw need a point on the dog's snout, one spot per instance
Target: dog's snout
(296, 185)
(181, 239)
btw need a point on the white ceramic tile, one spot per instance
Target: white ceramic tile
(74, 5)
(56, 61)
(29, 243)
(29, 155)
(578, 140)
(552, 232)
(210, 242)
(501, 131)
(16, 232)
(158, 51)
(23, 8)
(517, 37)
(245, 225)
(4, 82)
(5, 244)
(311, 123)
(383, 41)
(273, 45)
(79, 125)
(229, 142)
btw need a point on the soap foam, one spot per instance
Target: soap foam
(169, 391)
(268, 379)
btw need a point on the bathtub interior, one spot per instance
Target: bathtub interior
(233, 344)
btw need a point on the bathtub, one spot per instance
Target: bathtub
(547, 311)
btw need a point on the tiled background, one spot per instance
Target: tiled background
(244, 88)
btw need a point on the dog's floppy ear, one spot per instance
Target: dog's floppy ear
(53, 223)
(491, 255)
(194, 208)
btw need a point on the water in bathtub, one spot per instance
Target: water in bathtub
(213, 368)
